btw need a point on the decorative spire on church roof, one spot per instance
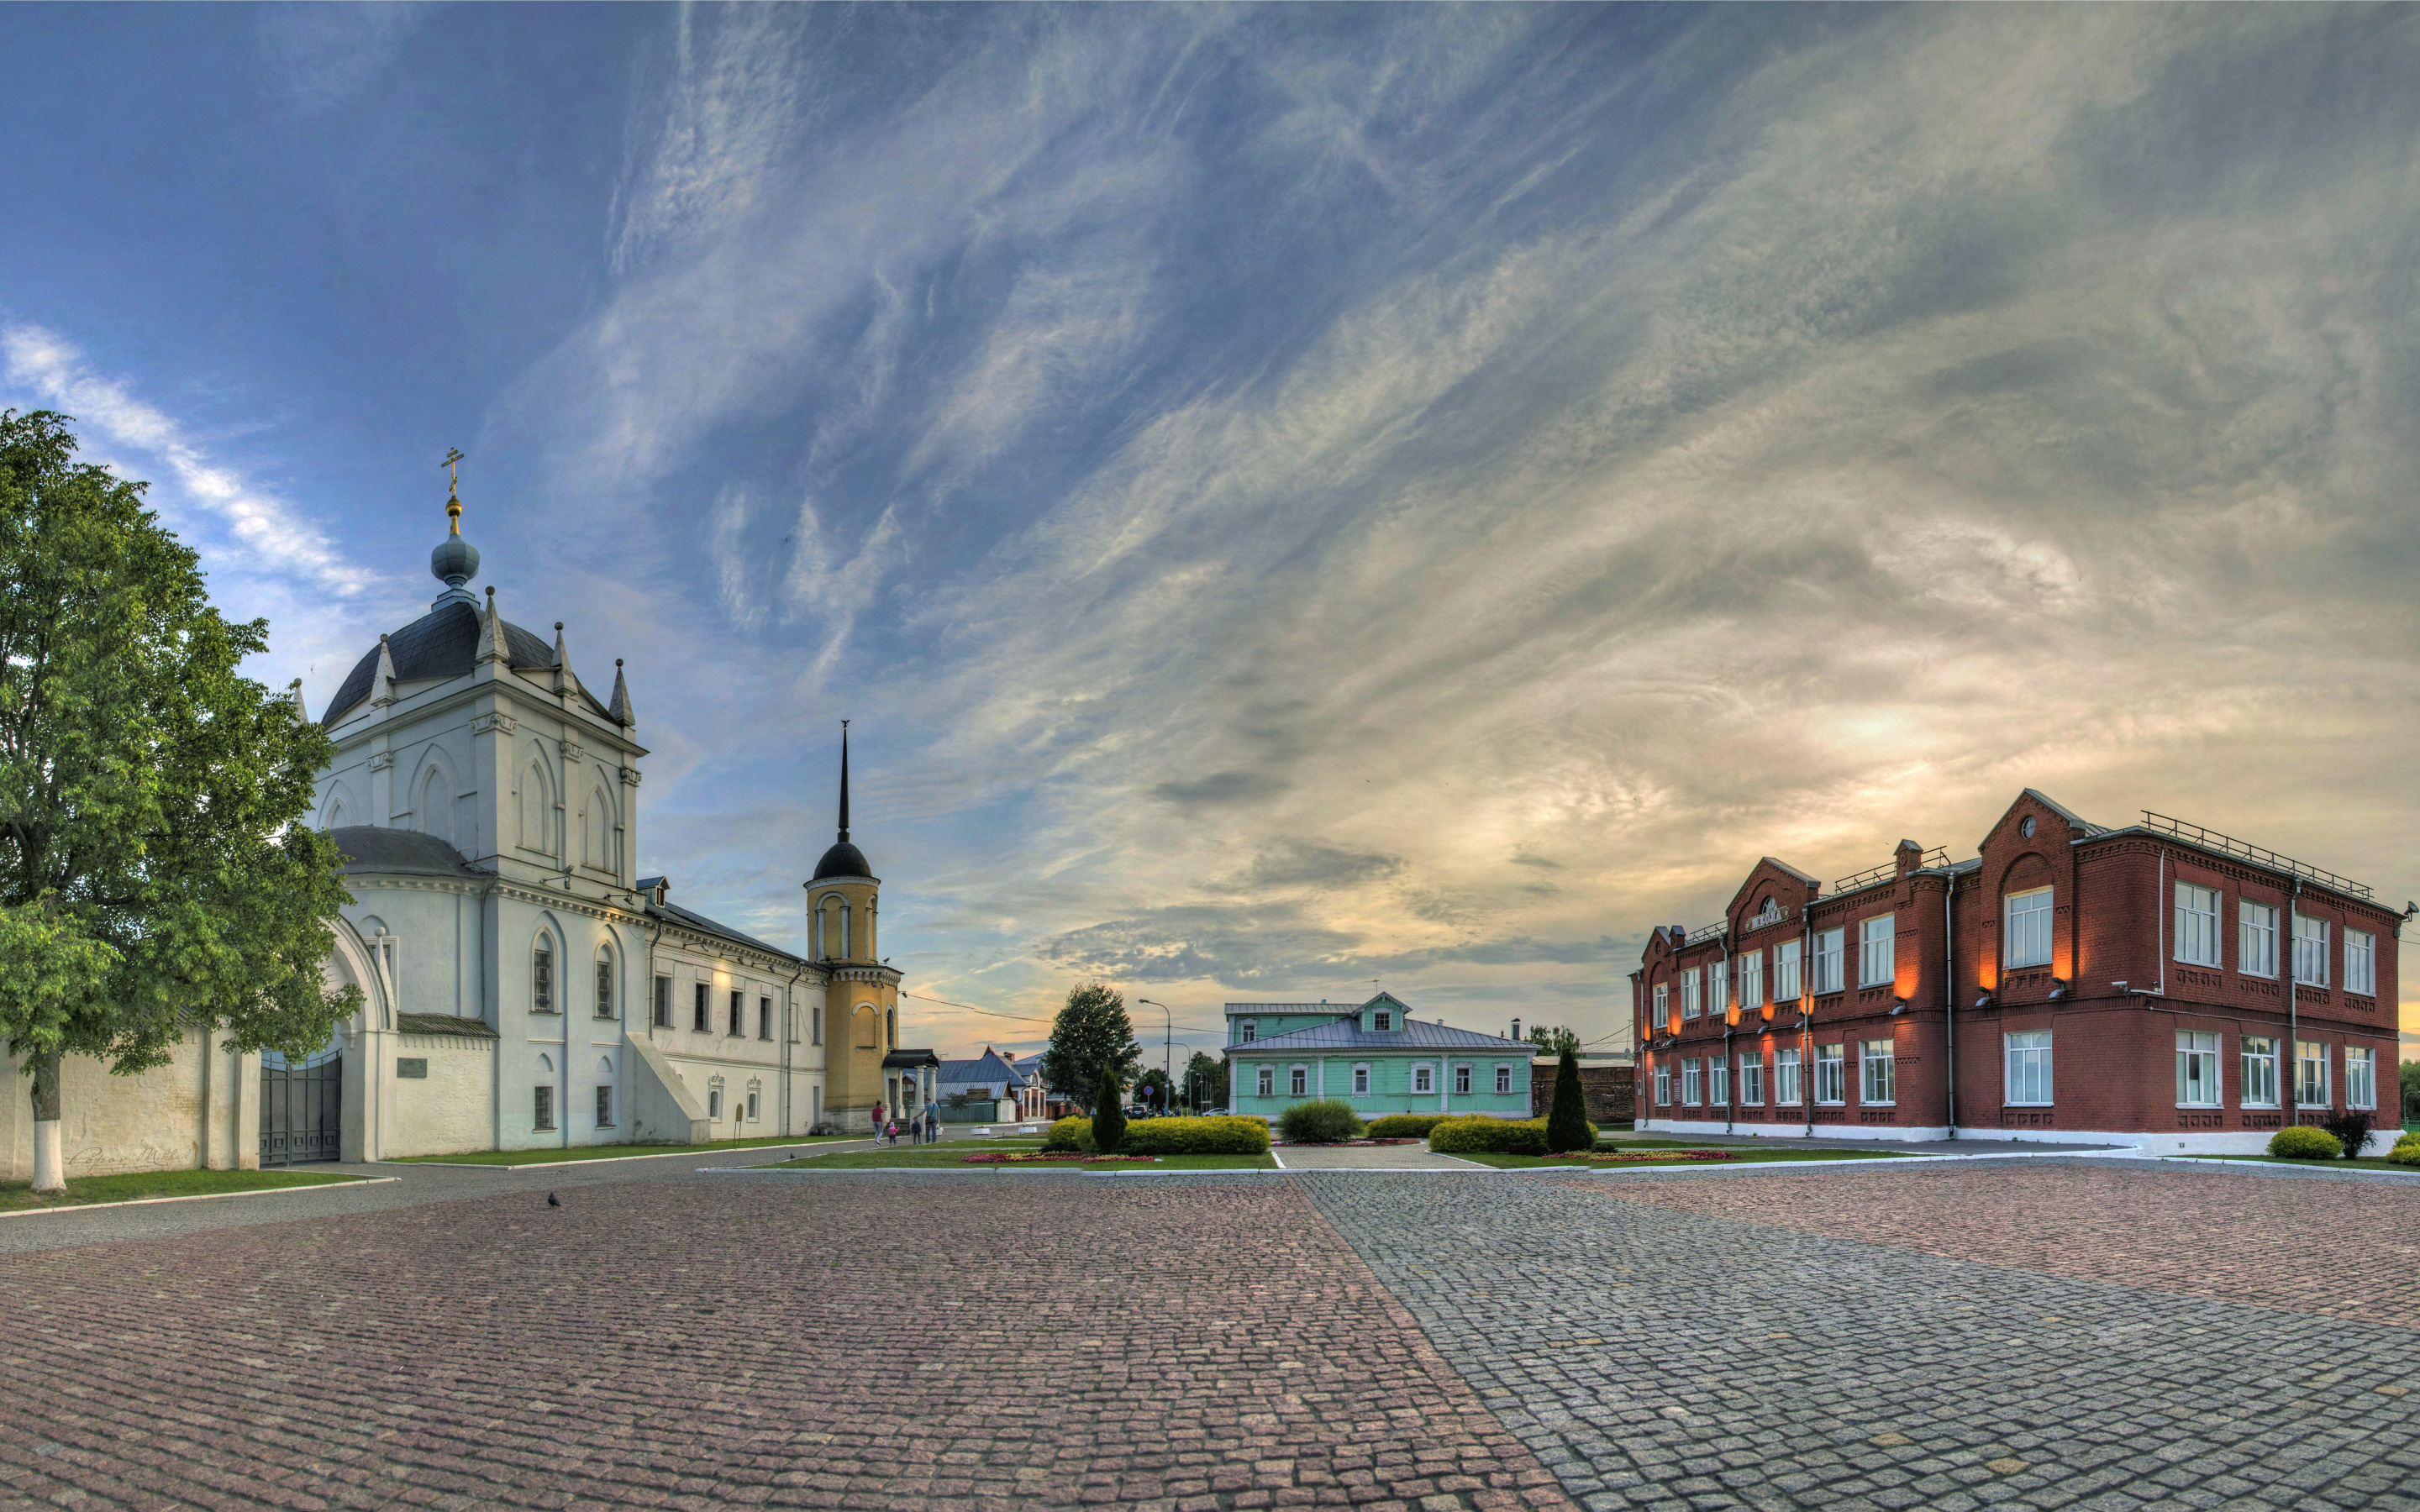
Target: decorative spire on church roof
(492, 636)
(382, 682)
(620, 707)
(455, 561)
(564, 681)
(844, 779)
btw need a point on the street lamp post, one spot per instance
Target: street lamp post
(1167, 1047)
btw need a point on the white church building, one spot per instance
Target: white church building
(522, 985)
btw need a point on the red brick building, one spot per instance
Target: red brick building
(2157, 984)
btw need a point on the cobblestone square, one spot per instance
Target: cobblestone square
(2084, 1334)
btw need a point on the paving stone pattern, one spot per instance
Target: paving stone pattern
(2232, 1235)
(1658, 1356)
(773, 1341)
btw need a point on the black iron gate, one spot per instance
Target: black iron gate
(300, 1108)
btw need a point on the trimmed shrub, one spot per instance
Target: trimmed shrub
(1489, 1136)
(2352, 1129)
(2303, 1143)
(1197, 1136)
(1327, 1122)
(1567, 1125)
(1109, 1114)
(1069, 1134)
(2405, 1153)
(1405, 1125)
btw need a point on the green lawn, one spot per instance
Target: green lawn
(85, 1189)
(2359, 1163)
(951, 1158)
(556, 1155)
(1746, 1157)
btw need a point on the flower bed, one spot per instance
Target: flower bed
(1664, 1154)
(1003, 1157)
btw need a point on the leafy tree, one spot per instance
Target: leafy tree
(1567, 1125)
(1152, 1088)
(1091, 1034)
(1109, 1114)
(1205, 1080)
(154, 874)
(1554, 1039)
(2410, 1073)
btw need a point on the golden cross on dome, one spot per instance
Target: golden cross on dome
(453, 482)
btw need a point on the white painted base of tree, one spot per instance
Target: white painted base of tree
(50, 1176)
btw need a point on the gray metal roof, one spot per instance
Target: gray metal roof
(909, 1060)
(440, 643)
(1345, 1035)
(988, 1067)
(444, 1024)
(705, 925)
(408, 852)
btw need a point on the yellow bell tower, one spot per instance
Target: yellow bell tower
(860, 994)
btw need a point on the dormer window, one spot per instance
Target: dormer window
(1383, 1021)
(1251, 1030)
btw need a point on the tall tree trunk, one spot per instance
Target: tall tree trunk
(49, 1178)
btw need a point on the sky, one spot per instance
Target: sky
(1293, 498)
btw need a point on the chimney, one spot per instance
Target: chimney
(1909, 857)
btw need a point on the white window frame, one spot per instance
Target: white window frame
(1252, 1031)
(1265, 1084)
(2310, 951)
(2361, 962)
(1462, 1079)
(1297, 1081)
(1785, 972)
(2261, 1084)
(1788, 1091)
(1830, 1075)
(1719, 1081)
(2025, 928)
(1877, 1073)
(1718, 988)
(2311, 1089)
(1691, 1001)
(2026, 1070)
(1752, 1080)
(1663, 1003)
(1663, 1085)
(2361, 1077)
(1503, 1079)
(2196, 926)
(1382, 1020)
(1751, 980)
(1831, 950)
(2200, 1081)
(1878, 948)
(1423, 1080)
(2256, 952)
(1693, 1090)
(1361, 1079)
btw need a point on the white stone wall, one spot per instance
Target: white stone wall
(450, 1112)
(200, 1109)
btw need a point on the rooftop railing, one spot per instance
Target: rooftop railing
(2258, 856)
(1937, 856)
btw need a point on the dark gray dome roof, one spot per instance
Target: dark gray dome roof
(843, 860)
(440, 643)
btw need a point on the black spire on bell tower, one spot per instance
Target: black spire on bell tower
(842, 859)
(844, 779)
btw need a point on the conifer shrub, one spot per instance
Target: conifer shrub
(1405, 1125)
(1109, 1114)
(1329, 1122)
(2301, 1141)
(1069, 1134)
(1567, 1125)
(2406, 1151)
(1197, 1136)
(2351, 1128)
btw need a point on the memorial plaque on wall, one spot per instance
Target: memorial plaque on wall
(413, 1070)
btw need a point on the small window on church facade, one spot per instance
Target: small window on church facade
(663, 1002)
(891, 1024)
(738, 998)
(542, 977)
(764, 1018)
(714, 1103)
(545, 1109)
(751, 1106)
(605, 985)
(604, 1107)
(698, 1018)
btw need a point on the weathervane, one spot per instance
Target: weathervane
(452, 482)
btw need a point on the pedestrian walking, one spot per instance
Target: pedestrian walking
(879, 1116)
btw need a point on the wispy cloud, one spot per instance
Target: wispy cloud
(327, 53)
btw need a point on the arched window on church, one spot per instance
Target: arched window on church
(542, 975)
(833, 927)
(891, 1022)
(868, 1025)
(538, 809)
(605, 981)
(437, 806)
(598, 826)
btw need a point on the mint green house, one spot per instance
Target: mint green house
(1375, 1056)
